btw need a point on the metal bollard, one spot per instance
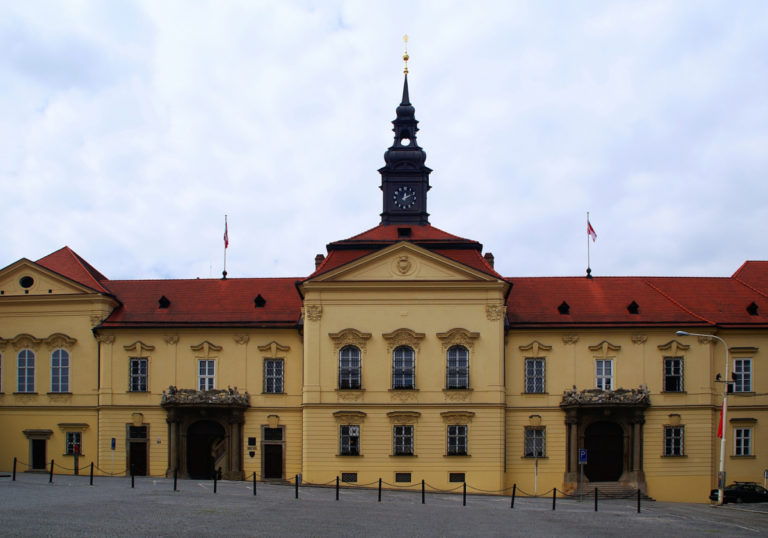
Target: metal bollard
(14, 469)
(77, 462)
(50, 477)
(638, 500)
(554, 498)
(254, 483)
(337, 488)
(297, 486)
(514, 491)
(175, 478)
(215, 479)
(422, 491)
(464, 496)
(379, 489)
(595, 499)
(133, 475)
(91, 483)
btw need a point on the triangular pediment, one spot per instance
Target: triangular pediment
(27, 278)
(404, 261)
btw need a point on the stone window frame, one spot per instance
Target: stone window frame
(605, 351)
(535, 352)
(63, 371)
(403, 440)
(138, 351)
(671, 351)
(455, 338)
(273, 351)
(349, 419)
(27, 387)
(272, 379)
(743, 442)
(533, 436)
(739, 384)
(674, 440)
(350, 338)
(403, 338)
(205, 379)
(457, 442)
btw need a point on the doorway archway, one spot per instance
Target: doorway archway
(604, 442)
(204, 440)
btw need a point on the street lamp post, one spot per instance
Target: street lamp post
(721, 474)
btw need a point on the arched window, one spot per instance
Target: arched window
(457, 368)
(60, 370)
(349, 367)
(403, 371)
(26, 370)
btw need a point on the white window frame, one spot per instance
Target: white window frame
(60, 370)
(25, 368)
(535, 375)
(742, 441)
(742, 375)
(457, 440)
(535, 442)
(403, 368)
(274, 376)
(673, 369)
(457, 367)
(402, 440)
(603, 380)
(74, 439)
(206, 374)
(349, 440)
(350, 368)
(674, 441)
(138, 377)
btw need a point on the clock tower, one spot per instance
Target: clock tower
(405, 178)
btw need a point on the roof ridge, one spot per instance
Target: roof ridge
(678, 303)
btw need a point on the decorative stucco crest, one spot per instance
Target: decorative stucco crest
(21, 341)
(204, 349)
(605, 348)
(96, 319)
(601, 398)
(171, 339)
(274, 350)
(349, 337)
(403, 265)
(139, 347)
(404, 417)
(535, 348)
(458, 337)
(403, 337)
(106, 338)
(57, 340)
(461, 417)
(570, 339)
(349, 416)
(495, 312)
(241, 339)
(674, 347)
(313, 312)
(639, 339)
(229, 397)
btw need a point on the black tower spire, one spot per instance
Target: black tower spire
(405, 178)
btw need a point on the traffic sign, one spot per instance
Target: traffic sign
(582, 456)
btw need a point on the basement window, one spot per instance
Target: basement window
(752, 309)
(164, 302)
(564, 308)
(259, 301)
(633, 308)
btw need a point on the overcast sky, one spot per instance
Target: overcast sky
(129, 129)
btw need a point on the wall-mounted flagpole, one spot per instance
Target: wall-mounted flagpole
(590, 235)
(226, 244)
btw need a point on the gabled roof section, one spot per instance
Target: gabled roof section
(459, 249)
(206, 303)
(27, 278)
(68, 263)
(754, 274)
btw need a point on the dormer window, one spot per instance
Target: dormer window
(564, 308)
(633, 308)
(403, 232)
(164, 302)
(259, 301)
(752, 309)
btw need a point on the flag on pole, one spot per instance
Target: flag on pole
(226, 234)
(591, 231)
(720, 426)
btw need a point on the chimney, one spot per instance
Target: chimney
(318, 260)
(489, 258)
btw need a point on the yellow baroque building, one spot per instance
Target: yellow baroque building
(404, 356)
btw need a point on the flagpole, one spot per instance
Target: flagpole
(226, 241)
(589, 268)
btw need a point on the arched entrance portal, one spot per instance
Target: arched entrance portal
(205, 443)
(604, 442)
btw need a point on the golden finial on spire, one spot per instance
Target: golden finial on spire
(405, 54)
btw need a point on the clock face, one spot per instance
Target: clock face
(404, 198)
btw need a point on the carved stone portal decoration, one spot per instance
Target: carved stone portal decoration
(403, 337)
(458, 337)
(495, 312)
(229, 397)
(570, 339)
(350, 337)
(313, 312)
(596, 397)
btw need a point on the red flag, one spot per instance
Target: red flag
(226, 235)
(720, 426)
(591, 231)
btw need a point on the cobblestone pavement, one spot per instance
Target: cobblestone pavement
(31, 506)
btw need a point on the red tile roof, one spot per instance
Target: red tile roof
(206, 302)
(68, 263)
(754, 274)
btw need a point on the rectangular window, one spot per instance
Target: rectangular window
(273, 376)
(673, 374)
(60, 371)
(742, 375)
(26, 371)
(403, 374)
(350, 441)
(74, 443)
(138, 374)
(349, 477)
(673, 440)
(457, 440)
(403, 441)
(456, 477)
(457, 368)
(349, 368)
(206, 379)
(743, 442)
(604, 374)
(534, 442)
(403, 477)
(534, 375)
